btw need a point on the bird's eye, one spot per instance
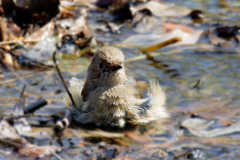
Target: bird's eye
(100, 65)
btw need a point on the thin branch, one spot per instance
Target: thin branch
(55, 154)
(21, 95)
(24, 116)
(35, 106)
(14, 42)
(197, 84)
(10, 52)
(12, 143)
(61, 77)
(144, 56)
(25, 76)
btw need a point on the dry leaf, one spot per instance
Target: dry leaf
(8, 132)
(172, 26)
(198, 128)
(160, 9)
(38, 151)
(21, 124)
(143, 41)
(65, 13)
(79, 31)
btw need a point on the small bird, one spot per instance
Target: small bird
(111, 97)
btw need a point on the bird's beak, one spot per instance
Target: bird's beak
(117, 67)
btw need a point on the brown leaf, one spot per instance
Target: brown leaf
(157, 40)
(161, 9)
(37, 151)
(172, 26)
(65, 13)
(197, 127)
(80, 30)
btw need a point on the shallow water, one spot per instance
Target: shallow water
(216, 97)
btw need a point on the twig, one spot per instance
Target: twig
(14, 79)
(61, 77)
(24, 116)
(55, 154)
(24, 41)
(35, 106)
(197, 84)
(37, 64)
(162, 44)
(9, 142)
(10, 52)
(21, 95)
(137, 58)
(16, 75)
(4, 64)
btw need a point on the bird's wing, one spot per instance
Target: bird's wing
(136, 86)
(91, 82)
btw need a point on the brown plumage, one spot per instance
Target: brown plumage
(109, 96)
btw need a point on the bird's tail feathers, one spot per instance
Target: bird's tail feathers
(154, 107)
(75, 89)
(157, 100)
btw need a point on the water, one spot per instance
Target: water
(216, 97)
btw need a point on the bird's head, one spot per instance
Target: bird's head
(107, 65)
(109, 59)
